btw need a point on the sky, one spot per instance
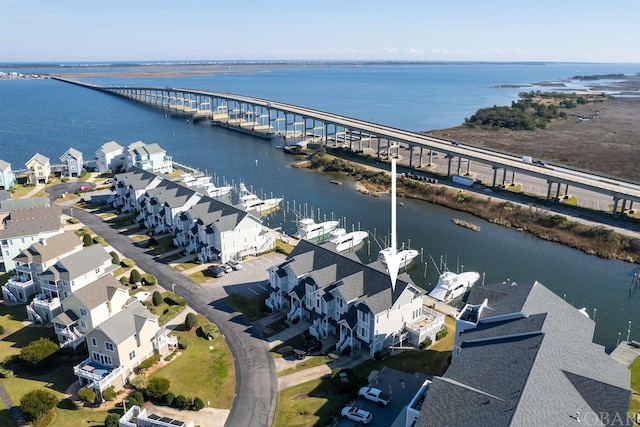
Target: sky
(402, 30)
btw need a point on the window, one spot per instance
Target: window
(83, 312)
(109, 346)
(94, 342)
(83, 324)
(132, 355)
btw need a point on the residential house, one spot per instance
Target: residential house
(149, 157)
(73, 162)
(138, 417)
(20, 228)
(129, 188)
(344, 298)
(66, 277)
(7, 177)
(119, 344)
(36, 259)
(110, 157)
(524, 356)
(88, 307)
(8, 205)
(164, 202)
(38, 169)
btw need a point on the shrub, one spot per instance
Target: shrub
(183, 343)
(127, 263)
(87, 240)
(190, 321)
(157, 387)
(152, 242)
(382, 354)
(169, 398)
(147, 363)
(73, 220)
(209, 330)
(139, 382)
(112, 420)
(124, 281)
(136, 398)
(197, 404)
(115, 259)
(156, 298)
(87, 394)
(441, 334)
(149, 280)
(109, 394)
(181, 402)
(38, 351)
(98, 240)
(134, 276)
(426, 343)
(1, 329)
(36, 403)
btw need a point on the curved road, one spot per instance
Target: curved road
(256, 382)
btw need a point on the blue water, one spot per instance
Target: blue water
(49, 117)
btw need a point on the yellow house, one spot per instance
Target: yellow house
(38, 169)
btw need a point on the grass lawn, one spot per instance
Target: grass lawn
(170, 307)
(186, 266)
(201, 372)
(293, 342)
(634, 405)
(171, 257)
(309, 362)
(283, 247)
(251, 308)
(164, 245)
(138, 237)
(122, 220)
(21, 190)
(200, 277)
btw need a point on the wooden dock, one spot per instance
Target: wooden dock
(440, 306)
(626, 352)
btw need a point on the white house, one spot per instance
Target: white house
(66, 277)
(110, 157)
(21, 228)
(7, 177)
(36, 259)
(119, 344)
(73, 162)
(38, 169)
(356, 303)
(164, 202)
(129, 188)
(148, 157)
(88, 307)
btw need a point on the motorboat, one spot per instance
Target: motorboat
(205, 184)
(451, 285)
(308, 229)
(345, 241)
(406, 256)
(252, 203)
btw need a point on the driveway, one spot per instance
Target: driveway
(256, 381)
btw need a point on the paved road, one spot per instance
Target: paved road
(256, 381)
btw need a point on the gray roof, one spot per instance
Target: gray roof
(77, 264)
(47, 249)
(171, 193)
(110, 146)
(4, 195)
(38, 158)
(4, 165)
(125, 324)
(32, 221)
(136, 178)
(76, 154)
(99, 292)
(29, 202)
(539, 368)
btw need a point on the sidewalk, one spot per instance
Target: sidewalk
(36, 189)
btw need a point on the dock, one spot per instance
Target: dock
(626, 352)
(440, 306)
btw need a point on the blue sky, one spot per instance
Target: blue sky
(426, 30)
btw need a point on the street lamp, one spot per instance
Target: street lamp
(124, 405)
(173, 289)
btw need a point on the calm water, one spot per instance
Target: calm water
(49, 117)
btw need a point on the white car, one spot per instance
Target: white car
(374, 395)
(356, 414)
(142, 296)
(235, 264)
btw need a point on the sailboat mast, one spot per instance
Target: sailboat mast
(394, 243)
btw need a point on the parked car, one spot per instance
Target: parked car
(85, 188)
(217, 271)
(312, 346)
(375, 395)
(356, 414)
(227, 268)
(455, 143)
(235, 264)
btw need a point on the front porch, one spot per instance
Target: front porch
(98, 377)
(425, 326)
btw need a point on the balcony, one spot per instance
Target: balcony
(99, 375)
(163, 341)
(50, 287)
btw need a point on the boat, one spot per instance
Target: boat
(451, 285)
(308, 229)
(406, 256)
(205, 184)
(252, 203)
(345, 241)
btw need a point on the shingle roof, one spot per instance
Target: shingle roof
(39, 158)
(32, 221)
(30, 202)
(125, 324)
(77, 264)
(48, 249)
(76, 154)
(99, 292)
(110, 146)
(4, 165)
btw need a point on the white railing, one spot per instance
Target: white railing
(34, 315)
(294, 313)
(46, 302)
(98, 380)
(313, 330)
(7, 294)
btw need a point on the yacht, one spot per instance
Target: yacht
(252, 203)
(451, 285)
(205, 184)
(345, 241)
(308, 229)
(406, 256)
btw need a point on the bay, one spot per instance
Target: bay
(49, 117)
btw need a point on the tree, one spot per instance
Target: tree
(157, 387)
(112, 420)
(87, 240)
(190, 321)
(157, 298)
(169, 398)
(87, 394)
(115, 259)
(197, 404)
(38, 351)
(134, 277)
(36, 403)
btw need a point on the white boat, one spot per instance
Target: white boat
(308, 229)
(406, 256)
(252, 203)
(345, 241)
(451, 285)
(205, 183)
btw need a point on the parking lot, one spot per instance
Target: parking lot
(402, 386)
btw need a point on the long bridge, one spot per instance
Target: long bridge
(269, 119)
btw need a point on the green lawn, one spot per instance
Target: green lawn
(200, 276)
(251, 308)
(186, 266)
(171, 306)
(199, 371)
(309, 362)
(634, 406)
(164, 245)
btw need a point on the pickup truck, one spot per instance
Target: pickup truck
(374, 395)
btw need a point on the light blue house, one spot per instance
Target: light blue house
(7, 177)
(73, 162)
